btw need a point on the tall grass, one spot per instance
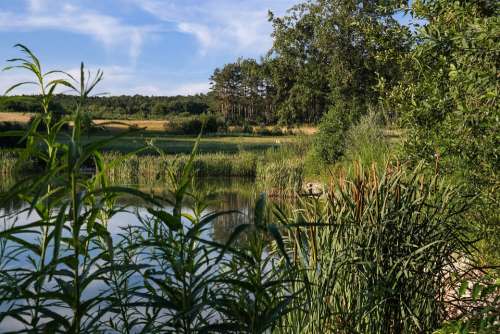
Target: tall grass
(379, 253)
(151, 169)
(281, 177)
(367, 143)
(8, 161)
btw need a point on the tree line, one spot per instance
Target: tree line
(114, 107)
(326, 54)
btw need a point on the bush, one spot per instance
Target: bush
(330, 140)
(13, 141)
(194, 125)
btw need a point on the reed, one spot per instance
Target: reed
(151, 169)
(8, 161)
(281, 177)
(378, 253)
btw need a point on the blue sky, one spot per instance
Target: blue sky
(149, 47)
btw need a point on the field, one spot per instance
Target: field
(16, 117)
(184, 144)
(149, 125)
(153, 131)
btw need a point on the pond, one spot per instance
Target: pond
(221, 194)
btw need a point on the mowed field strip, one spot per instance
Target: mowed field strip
(150, 125)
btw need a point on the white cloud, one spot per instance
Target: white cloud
(36, 5)
(201, 32)
(108, 30)
(190, 88)
(239, 26)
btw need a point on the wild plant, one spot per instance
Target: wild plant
(67, 248)
(255, 285)
(380, 253)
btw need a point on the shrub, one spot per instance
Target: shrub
(194, 125)
(11, 141)
(330, 140)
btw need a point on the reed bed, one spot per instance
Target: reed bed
(8, 161)
(281, 177)
(379, 253)
(149, 169)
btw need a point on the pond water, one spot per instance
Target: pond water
(221, 194)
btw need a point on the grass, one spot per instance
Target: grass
(185, 144)
(8, 162)
(281, 177)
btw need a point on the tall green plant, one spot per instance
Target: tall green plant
(69, 247)
(379, 254)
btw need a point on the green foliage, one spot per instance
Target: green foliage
(449, 101)
(380, 252)
(479, 298)
(195, 125)
(332, 53)
(449, 96)
(242, 92)
(150, 169)
(14, 140)
(367, 143)
(71, 211)
(114, 107)
(254, 295)
(330, 141)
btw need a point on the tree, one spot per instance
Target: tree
(243, 91)
(334, 52)
(449, 97)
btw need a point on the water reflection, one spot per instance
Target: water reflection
(221, 194)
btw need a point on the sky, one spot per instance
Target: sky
(148, 47)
